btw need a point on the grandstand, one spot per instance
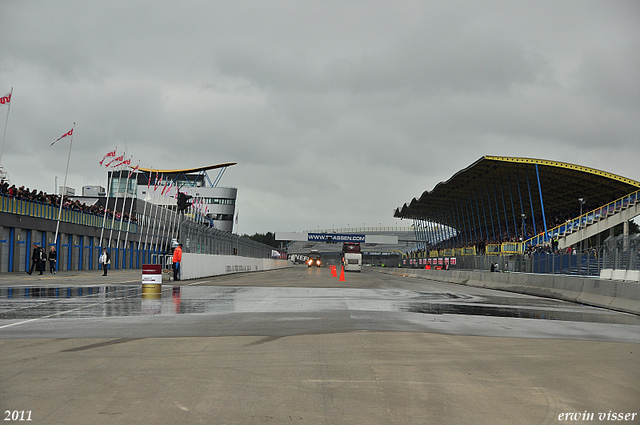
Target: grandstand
(507, 204)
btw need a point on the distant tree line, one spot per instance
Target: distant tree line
(267, 239)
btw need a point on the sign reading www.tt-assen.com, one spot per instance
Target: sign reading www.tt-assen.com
(334, 237)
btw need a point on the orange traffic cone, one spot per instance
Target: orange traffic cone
(334, 271)
(341, 274)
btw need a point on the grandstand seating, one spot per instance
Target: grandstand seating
(591, 222)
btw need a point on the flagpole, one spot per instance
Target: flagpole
(106, 202)
(174, 221)
(64, 185)
(3, 174)
(164, 222)
(167, 221)
(115, 204)
(169, 218)
(155, 216)
(126, 237)
(6, 121)
(146, 236)
(126, 194)
(144, 216)
(106, 205)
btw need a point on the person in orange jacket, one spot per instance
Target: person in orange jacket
(177, 258)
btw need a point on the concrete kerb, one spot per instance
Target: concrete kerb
(614, 295)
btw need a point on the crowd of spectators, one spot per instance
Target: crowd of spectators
(44, 198)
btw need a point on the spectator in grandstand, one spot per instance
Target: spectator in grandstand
(29, 195)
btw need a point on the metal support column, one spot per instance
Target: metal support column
(513, 209)
(533, 217)
(472, 223)
(544, 218)
(479, 222)
(522, 214)
(495, 197)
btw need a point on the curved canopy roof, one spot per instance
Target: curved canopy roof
(189, 170)
(510, 185)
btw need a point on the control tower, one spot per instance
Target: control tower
(160, 186)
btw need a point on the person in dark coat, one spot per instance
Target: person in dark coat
(43, 260)
(35, 259)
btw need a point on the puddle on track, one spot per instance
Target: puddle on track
(521, 312)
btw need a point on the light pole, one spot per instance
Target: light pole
(582, 202)
(524, 216)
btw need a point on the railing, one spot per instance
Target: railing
(201, 239)
(50, 212)
(614, 254)
(585, 219)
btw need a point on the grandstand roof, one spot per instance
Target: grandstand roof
(189, 170)
(491, 184)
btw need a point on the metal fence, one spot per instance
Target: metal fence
(201, 239)
(614, 254)
(622, 252)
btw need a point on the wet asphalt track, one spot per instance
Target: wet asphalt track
(298, 346)
(296, 301)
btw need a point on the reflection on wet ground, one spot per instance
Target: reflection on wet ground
(524, 313)
(31, 302)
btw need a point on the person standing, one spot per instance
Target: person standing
(35, 259)
(177, 258)
(53, 258)
(105, 260)
(43, 260)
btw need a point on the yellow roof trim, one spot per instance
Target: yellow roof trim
(188, 170)
(564, 165)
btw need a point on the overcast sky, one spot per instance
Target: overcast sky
(337, 112)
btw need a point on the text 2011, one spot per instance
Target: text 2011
(17, 415)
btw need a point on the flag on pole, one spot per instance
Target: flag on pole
(5, 99)
(109, 154)
(120, 158)
(134, 170)
(67, 134)
(167, 188)
(126, 162)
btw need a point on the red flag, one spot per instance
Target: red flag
(169, 188)
(112, 153)
(126, 162)
(133, 171)
(5, 99)
(67, 134)
(120, 158)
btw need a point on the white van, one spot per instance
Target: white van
(352, 262)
